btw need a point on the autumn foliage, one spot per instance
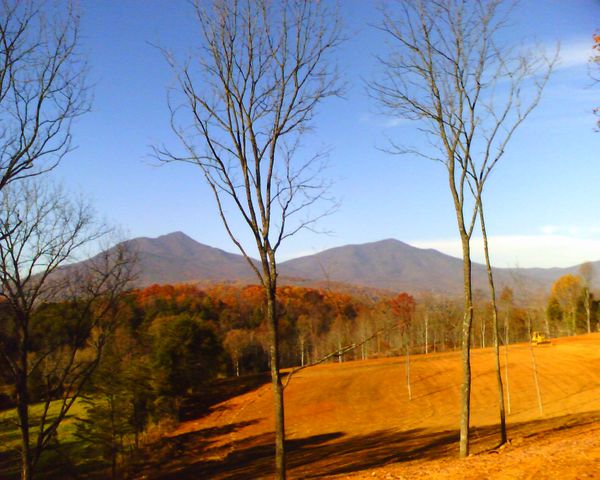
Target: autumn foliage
(566, 307)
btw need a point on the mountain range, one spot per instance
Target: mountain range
(389, 265)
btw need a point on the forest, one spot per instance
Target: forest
(98, 373)
(170, 343)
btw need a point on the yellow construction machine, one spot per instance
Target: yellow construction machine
(538, 338)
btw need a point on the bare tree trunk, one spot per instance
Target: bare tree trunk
(586, 273)
(408, 369)
(506, 342)
(113, 439)
(588, 309)
(23, 413)
(490, 277)
(483, 332)
(280, 472)
(466, 348)
(22, 391)
(536, 380)
(426, 333)
(534, 367)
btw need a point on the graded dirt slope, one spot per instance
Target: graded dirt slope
(355, 420)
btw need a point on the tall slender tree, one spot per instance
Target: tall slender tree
(240, 110)
(595, 63)
(448, 70)
(586, 272)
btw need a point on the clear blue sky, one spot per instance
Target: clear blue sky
(543, 200)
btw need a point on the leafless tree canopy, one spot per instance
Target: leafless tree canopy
(449, 69)
(54, 321)
(42, 86)
(40, 231)
(245, 100)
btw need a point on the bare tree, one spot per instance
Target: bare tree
(42, 86)
(506, 297)
(586, 272)
(447, 70)
(240, 111)
(534, 368)
(235, 341)
(595, 68)
(55, 322)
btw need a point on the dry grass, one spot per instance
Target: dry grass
(355, 420)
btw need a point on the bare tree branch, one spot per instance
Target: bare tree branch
(42, 87)
(338, 353)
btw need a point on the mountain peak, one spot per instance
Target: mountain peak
(390, 242)
(176, 257)
(178, 235)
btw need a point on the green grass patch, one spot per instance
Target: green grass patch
(10, 436)
(67, 454)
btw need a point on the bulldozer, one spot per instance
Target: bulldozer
(538, 338)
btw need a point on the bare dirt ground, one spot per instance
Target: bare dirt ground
(354, 420)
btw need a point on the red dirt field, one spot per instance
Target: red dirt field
(354, 420)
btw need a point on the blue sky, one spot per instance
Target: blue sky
(543, 200)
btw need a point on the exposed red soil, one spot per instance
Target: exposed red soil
(355, 420)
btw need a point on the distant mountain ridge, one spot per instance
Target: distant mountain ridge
(389, 265)
(177, 258)
(394, 265)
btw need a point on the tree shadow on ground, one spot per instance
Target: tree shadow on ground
(9, 464)
(60, 461)
(318, 455)
(201, 403)
(55, 460)
(177, 450)
(336, 453)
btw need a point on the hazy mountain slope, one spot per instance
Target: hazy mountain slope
(395, 265)
(177, 258)
(388, 265)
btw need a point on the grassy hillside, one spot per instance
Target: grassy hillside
(351, 419)
(355, 421)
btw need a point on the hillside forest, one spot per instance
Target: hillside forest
(172, 341)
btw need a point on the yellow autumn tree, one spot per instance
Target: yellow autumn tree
(567, 291)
